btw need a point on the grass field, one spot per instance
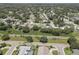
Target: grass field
(18, 38)
(38, 33)
(4, 50)
(58, 41)
(12, 31)
(36, 39)
(35, 50)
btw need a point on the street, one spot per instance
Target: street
(43, 48)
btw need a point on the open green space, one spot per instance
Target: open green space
(4, 50)
(76, 34)
(35, 50)
(57, 41)
(18, 38)
(38, 33)
(20, 32)
(37, 39)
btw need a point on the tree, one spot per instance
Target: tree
(35, 28)
(3, 26)
(3, 44)
(72, 40)
(43, 39)
(46, 30)
(1, 52)
(29, 39)
(18, 17)
(68, 30)
(73, 43)
(5, 37)
(26, 29)
(3, 15)
(76, 22)
(56, 32)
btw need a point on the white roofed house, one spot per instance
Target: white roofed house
(25, 50)
(30, 23)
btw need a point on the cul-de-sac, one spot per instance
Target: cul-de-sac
(39, 29)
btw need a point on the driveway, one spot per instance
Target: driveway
(43, 50)
(60, 48)
(10, 51)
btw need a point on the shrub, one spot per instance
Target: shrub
(5, 37)
(3, 44)
(73, 43)
(29, 39)
(26, 29)
(43, 39)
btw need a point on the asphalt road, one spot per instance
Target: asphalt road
(60, 47)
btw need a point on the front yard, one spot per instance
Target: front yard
(67, 51)
(4, 50)
(55, 52)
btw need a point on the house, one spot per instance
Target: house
(25, 50)
(75, 51)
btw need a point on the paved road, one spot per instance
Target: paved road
(60, 47)
(10, 51)
(14, 44)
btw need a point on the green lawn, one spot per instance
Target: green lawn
(13, 31)
(74, 34)
(35, 50)
(57, 41)
(3, 32)
(4, 50)
(18, 38)
(38, 33)
(0, 38)
(67, 51)
(37, 39)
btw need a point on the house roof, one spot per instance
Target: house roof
(24, 50)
